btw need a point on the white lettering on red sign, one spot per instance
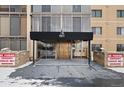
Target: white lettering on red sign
(7, 58)
(115, 59)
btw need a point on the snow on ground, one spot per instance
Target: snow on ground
(5, 81)
(118, 69)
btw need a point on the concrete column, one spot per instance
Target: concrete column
(29, 41)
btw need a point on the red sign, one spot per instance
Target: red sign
(115, 59)
(7, 58)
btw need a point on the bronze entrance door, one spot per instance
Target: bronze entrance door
(63, 50)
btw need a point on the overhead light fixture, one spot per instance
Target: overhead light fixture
(62, 34)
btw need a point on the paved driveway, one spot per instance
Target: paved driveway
(74, 73)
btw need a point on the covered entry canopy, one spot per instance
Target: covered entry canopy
(54, 36)
(66, 36)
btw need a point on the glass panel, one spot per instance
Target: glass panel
(96, 47)
(55, 23)
(46, 24)
(55, 8)
(76, 8)
(122, 31)
(23, 26)
(98, 13)
(4, 8)
(118, 30)
(4, 43)
(23, 44)
(93, 13)
(5, 25)
(98, 30)
(36, 8)
(85, 24)
(15, 44)
(67, 24)
(94, 30)
(46, 8)
(15, 8)
(66, 8)
(23, 8)
(118, 14)
(76, 24)
(122, 13)
(35, 23)
(15, 25)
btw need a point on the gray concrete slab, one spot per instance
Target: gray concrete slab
(74, 73)
(61, 62)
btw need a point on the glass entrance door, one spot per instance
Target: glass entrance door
(46, 50)
(77, 49)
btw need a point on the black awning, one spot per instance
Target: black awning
(55, 36)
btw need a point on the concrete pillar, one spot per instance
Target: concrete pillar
(29, 41)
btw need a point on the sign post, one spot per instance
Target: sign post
(115, 59)
(7, 59)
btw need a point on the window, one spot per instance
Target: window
(97, 30)
(14, 25)
(46, 8)
(36, 8)
(23, 23)
(55, 23)
(23, 44)
(17, 8)
(4, 8)
(76, 24)
(4, 43)
(96, 47)
(76, 8)
(120, 30)
(120, 47)
(46, 24)
(96, 13)
(67, 25)
(120, 13)
(4, 25)
(14, 8)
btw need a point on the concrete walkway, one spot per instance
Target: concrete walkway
(69, 62)
(74, 73)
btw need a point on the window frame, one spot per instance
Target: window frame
(120, 13)
(45, 7)
(95, 13)
(119, 31)
(96, 33)
(119, 47)
(96, 46)
(76, 7)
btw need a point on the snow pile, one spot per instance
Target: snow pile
(120, 70)
(5, 81)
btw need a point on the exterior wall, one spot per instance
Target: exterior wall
(13, 27)
(109, 23)
(63, 49)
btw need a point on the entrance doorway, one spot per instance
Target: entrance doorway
(79, 50)
(46, 50)
(63, 50)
